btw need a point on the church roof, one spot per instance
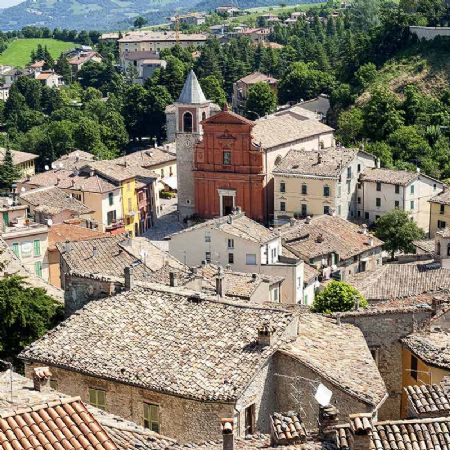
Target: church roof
(192, 92)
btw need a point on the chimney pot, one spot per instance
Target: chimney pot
(265, 334)
(328, 419)
(220, 283)
(128, 272)
(41, 379)
(228, 433)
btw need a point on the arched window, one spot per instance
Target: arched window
(187, 122)
(203, 115)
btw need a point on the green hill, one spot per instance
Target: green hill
(18, 52)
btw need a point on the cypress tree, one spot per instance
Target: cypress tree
(8, 171)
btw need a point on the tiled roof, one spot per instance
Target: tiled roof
(67, 179)
(192, 92)
(136, 56)
(83, 57)
(63, 232)
(161, 36)
(443, 198)
(47, 75)
(109, 169)
(322, 345)
(74, 160)
(18, 157)
(325, 163)
(11, 265)
(258, 77)
(433, 347)
(166, 340)
(280, 130)
(238, 225)
(401, 280)
(445, 233)
(326, 234)
(429, 399)
(401, 177)
(149, 157)
(63, 424)
(426, 245)
(53, 200)
(310, 273)
(423, 434)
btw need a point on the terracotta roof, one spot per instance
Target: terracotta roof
(433, 347)
(136, 56)
(166, 340)
(401, 177)
(326, 234)
(37, 64)
(149, 157)
(322, 345)
(258, 77)
(426, 245)
(326, 163)
(47, 75)
(401, 280)
(161, 36)
(74, 160)
(111, 170)
(443, 198)
(83, 57)
(18, 157)
(238, 225)
(310, 273)
(53, 200)
(428, 399)
(64, 232)
(281, 130)
(67, 179)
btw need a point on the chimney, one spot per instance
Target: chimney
(319, 158)
(173, 280)
(328, 419)
(265, 334)
(41, 379)
(220, 283)
(371, 241)
(230, 219)
(308, 220)
(94, 252)
(128, 272)
(378, 163)
(228, 434)
(292, 221)
(361, 428)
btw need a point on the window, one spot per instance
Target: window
(411, 204)
(54, 384)
(376, 218)
(37, 247)
(227, 158)
(378, 201)
(282, 206)
(349, 187)
(412, 189)
(304, 210)
(38, 268)
(282, 186)
(414, 367)
(250, 419)
(129, 205)
(326, 191)
(359, 200)
(359, 168)
(304, 189)
(97, 398)
(366, 216)
(15, 249)
(187, 122)
(208, 257)
(326, 209)
(359, 213)
(151, 417)
(203, 115)
(448, 249)
(230, 258)
(442, 211)
(359, 186)
(162, 173)
(441, 224)
(250, 259)
(378, 186)
(207, 237)
(397, 204)
(230, 243)
(171, 171)
(111, 199)
(434, 186)
(275, 297)
(111, 217)
(438, 250)
(339, 210)
(349, 172)
(397, 189)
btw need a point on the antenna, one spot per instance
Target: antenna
(323, 395)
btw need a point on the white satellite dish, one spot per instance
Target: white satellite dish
(23, 189)
(46, 167)
(323, 395)
(53, 165)
(49, 222)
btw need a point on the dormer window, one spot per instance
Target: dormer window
(187, 122)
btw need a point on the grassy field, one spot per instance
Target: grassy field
(18, 52)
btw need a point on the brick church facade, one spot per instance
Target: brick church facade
(229, 169)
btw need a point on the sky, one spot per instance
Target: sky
(6, 3)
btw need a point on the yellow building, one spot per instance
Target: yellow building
(425, 359)
(440, 212)
(22, 160)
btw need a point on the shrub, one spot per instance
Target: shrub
(338, 296)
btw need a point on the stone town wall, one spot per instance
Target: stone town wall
(383, 333)
(429, 33)
(180, 418)
(294, 391)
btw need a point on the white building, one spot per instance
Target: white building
(243, 245)
(382, 190)
(4, 92)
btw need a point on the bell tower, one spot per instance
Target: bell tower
(190, 109)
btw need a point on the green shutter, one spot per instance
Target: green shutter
(38, 268)
(15, 249)
(5, 218)
(37, 247)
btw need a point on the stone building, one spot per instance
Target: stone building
(310, 183)
(178, 362)
(334, 246)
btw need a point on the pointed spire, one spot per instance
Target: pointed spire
(192, 92)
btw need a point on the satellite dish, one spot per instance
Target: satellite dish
(46, 167)
(323, 395)
(49, 222)
(23, 189)
(53, 165)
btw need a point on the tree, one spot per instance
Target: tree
(366, 74)
(8, 171)
(398, 231)
(261, 100)
(62, 67)
(140, 21)
(173, 76)
(338, 296)
(26, 313)
(351, 126)
(213, 90)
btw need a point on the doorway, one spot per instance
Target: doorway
(250, 420)
(227, 205)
